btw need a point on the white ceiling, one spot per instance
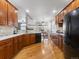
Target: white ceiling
(39, 8)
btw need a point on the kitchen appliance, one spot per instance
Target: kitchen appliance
(71, 35)
(71, 29)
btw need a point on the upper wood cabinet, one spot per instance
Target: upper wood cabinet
(73, 5)
(56, 17)
(3, 12)
(59, 18)
(62, 17)
(77, 3)
(12, 16)
(68, 9)
(8, 15)
(15, 17)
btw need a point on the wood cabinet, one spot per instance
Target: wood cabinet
(58, 40)
(2, 51)
(8, 15)
(59, 19)
(6, 49)
(15, 17)
(56, 20)
(12, 16)
(76, 3)
(73, 5)
(15, 45)
(9, 49)
(26, 40)
(11, 46)
(3, 12)
(32, 38)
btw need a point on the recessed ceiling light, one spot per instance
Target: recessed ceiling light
(54, 11)
(27, 11)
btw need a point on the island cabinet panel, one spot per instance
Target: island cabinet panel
(58, 40)
(3, 12)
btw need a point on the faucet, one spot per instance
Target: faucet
(15, 30)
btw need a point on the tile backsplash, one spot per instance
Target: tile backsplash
(6, 30)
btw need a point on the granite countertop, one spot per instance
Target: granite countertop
(4, 37)
(57, 34)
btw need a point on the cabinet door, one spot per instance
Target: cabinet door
(8, 49)
(76, 3)
(10, 18)
(3, 12)
(14, 16)
(24, 40)
(20, 42)
(56, 19)
(27, 39)
(61, 17)
(32, 38)
(15, 45)
(1, 52)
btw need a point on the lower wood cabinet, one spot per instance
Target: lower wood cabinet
(32, 39)
(25, 40)
(6, 49)
(58, 40)
(2, 55)
(11, 46)
(15, 45)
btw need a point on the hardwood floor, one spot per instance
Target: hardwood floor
(44, 50)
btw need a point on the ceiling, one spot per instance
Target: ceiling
(39, 9)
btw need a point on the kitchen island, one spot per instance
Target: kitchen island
(58, 39)
(10, 45)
